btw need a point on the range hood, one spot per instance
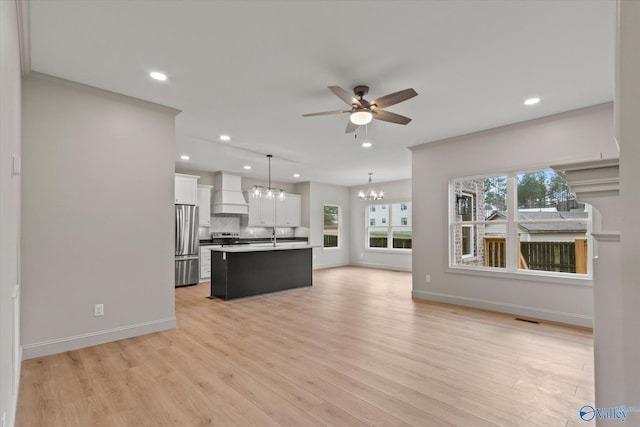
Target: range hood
(227, 195)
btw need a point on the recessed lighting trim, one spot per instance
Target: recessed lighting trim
(296, 175)
(247, 167)
(532, 101)
(225, 138)
(157, 75)
(367, 144)
(185, 157)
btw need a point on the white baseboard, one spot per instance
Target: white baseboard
(59, 345)
(520, 310)
(382, 266)
(330, 265)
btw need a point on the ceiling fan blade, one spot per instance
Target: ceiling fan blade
(344, 95)
(387, 116)
(350, 127)
(394, 98)
(326, 113)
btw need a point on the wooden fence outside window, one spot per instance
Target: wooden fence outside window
(568, 257)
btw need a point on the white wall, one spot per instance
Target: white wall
(10, 100)
(628, 133)
(97, 216)
(314, 196)
(584, 134)
(394, 191)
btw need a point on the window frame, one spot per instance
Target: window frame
(470, 226)
(338, 228)
(511, 222)
(388, 207)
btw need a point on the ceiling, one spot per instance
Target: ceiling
(250, 69)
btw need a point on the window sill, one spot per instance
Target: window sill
(581, 280)
(389, 251)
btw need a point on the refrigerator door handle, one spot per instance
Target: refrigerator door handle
(179, 229)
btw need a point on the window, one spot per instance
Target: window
(331, 226)
(394, 231)
(519, 222)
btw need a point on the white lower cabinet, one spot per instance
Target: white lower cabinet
(205, 262)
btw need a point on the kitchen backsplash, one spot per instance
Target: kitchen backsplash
(231, 224)
(228, 224)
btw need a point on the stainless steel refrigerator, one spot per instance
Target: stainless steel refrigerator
(187, 245)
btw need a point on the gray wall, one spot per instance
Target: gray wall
(9, 211)
(585, 134)
(628, 133)
(314, 196)
(98, 179)
(394, 191)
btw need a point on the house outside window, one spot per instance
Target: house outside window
(331, 226)
(394, 231)
(525, 222)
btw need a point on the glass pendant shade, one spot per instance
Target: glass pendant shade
(268, 192)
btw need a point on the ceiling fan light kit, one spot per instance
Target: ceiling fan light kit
(361, 116)
(363, 111)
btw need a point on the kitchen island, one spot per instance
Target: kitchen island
(241, 271)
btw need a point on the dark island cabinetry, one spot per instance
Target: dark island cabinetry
(242, 272)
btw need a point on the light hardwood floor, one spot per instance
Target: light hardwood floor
(354, 349)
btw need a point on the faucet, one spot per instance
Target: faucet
(273, 237)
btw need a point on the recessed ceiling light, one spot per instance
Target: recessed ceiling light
(185, 157)
(225, 138)
(531, 101)
(296, 175)
(367, 144)
(247, 167)
(158, 76)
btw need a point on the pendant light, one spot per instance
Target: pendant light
(370, 194)
(269, 192)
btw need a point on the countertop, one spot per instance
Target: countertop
(230, 241)
(251, 248)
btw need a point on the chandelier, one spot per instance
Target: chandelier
(370, 194)
(269, 192)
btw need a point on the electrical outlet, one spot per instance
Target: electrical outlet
(427, 278)
(98, 310)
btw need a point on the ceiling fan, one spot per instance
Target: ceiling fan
(363, 111)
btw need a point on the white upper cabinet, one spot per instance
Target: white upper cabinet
(204, 203)
(186, 189)
(275, 212)
(289, 213)
(261, 211)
